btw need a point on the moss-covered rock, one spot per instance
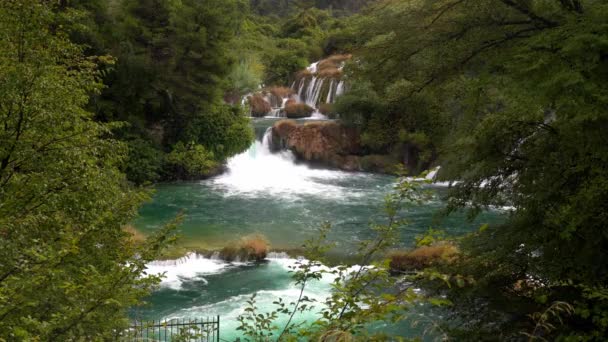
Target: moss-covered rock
(295, 110)
(331, 144)
(249, 248)
(259, 106)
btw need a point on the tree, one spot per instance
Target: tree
(521, 83)
(172, 70)
(518, 88)
(68, 269)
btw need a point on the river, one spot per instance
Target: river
(270, 194)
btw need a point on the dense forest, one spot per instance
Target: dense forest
(100, 100)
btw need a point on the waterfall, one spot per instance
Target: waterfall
(331, 89)
(278, 255)
(310, 89)
(188, 267)
(267, 140)
(340, 88)
(260, 171)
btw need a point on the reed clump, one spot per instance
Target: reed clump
(249, 248)
(422, 257)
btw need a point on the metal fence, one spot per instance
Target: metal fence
(176, 330)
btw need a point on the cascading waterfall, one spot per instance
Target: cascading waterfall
(312, 89)
(259, 171)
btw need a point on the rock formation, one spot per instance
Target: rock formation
(328, 143)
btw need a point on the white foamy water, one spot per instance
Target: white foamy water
(259, 172)
(231, 308)
(192, 266)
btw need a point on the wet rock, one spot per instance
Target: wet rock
(259, 106)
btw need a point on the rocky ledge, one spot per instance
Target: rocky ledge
(328, 144)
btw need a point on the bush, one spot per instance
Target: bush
(422, 257)
(331, 66)
(252, 247)
(190, 161)
(281, 92)
(327, 109)
(135, 235)
(224, 131)
(144, 162)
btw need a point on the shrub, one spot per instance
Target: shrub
(252, 247)
(421, 257)
(331, 66)
(281, 130)
(191, 161)
(327, 109)
(224, 131)
(295, 110)
(144, 163)
(383, 163)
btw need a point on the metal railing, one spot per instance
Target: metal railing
(175, 330)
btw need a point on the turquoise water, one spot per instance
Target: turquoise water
(269, 194)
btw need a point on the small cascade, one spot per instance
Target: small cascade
(319, 84)
(340, 89)
(316, 88)
(331, 90)
(277, 255)
(267, 139)
(216, 256)
(188, 267)
(259, 171)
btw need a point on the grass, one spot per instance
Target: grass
(422, 257)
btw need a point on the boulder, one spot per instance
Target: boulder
(294, 110)
(326, 143)
(259, 106)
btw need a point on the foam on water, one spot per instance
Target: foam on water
(231, 308)
(192, 266)
(258, 172)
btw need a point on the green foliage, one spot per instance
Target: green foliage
(174, 66)
(190, 160)
(144, 162)
(225, 131)
(512, 94)
(361, 295)
(68, 270)
(246, 76)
